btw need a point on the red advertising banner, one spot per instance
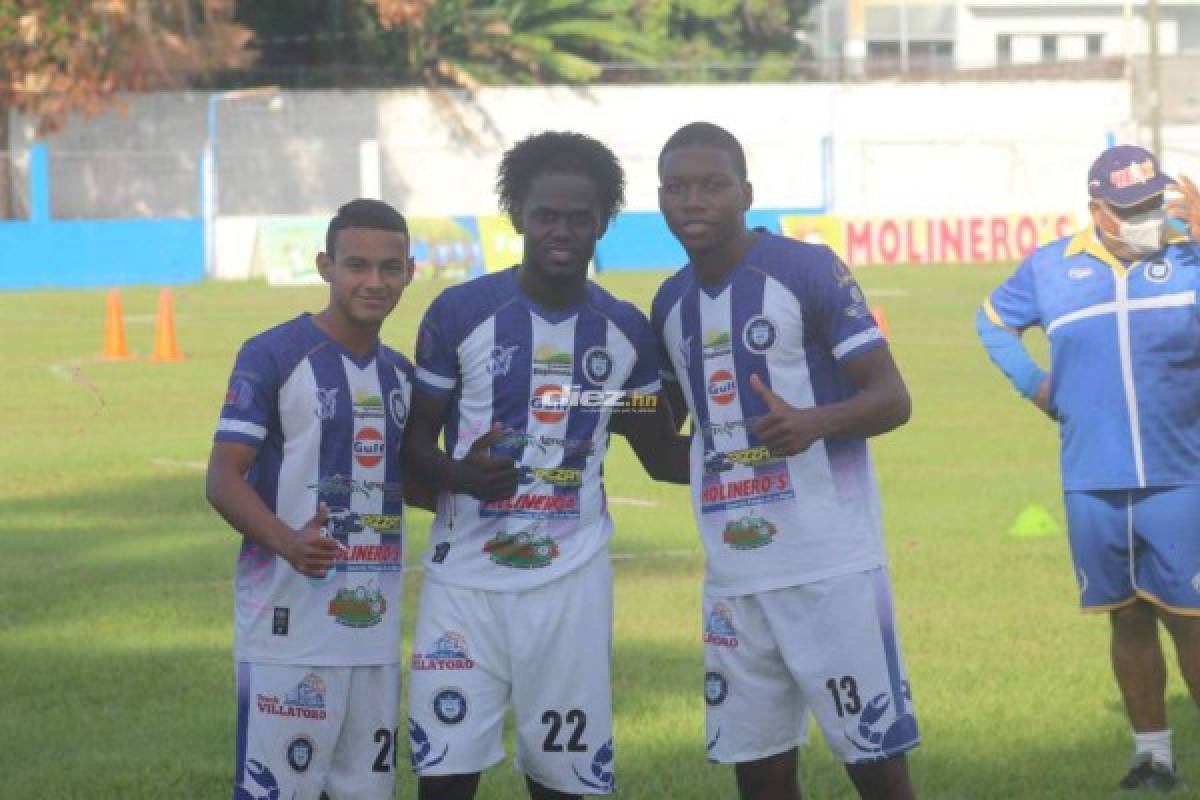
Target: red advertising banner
(863, 241)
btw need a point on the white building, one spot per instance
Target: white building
(921, 35)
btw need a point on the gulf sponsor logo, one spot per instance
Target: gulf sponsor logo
(721, 387)
(368, 447)
(549, 403)
(769, 486)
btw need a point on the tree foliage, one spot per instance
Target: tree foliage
(59, 57)
(471, 42)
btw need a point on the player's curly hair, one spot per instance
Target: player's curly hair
(561, 153)
(706, 134)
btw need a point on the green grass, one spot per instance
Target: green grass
(116, 678)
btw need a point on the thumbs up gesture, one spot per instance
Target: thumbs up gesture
(483, 476)
(310, 551)
(784, 429)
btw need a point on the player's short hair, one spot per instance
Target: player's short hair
(559, 153)
(706, 134)
(364, 213)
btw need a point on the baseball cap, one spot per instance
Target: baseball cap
(1126, 175)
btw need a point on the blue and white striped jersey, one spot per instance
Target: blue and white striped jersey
(1125, 355)
(497, 357)
(327, 427)
(790, 313)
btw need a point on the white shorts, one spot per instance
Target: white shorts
(306, 730)
(828, 648)
(547, 649)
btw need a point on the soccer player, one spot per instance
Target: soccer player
(519, 368)
(306, 466)
(771, 346)
(1117, 301)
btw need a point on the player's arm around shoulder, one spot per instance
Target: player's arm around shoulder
(655, 438)
(479, 473)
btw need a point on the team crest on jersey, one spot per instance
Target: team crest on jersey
(449, 653)
(421, 748)
(500, 360)
(597, 364)
(257, 782)
(1158, 272)
(718, 628)
(748, 533)
(300, 753)
(716, 688)
(601, 776)
(306, 700)
(549, 360)
(759, 334)
(360, 607)
(717, 344)
(529, 549)
(367, 404)
(326, 404)
(450, 706)
(398, 407)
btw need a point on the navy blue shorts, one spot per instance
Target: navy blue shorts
(1136, 543)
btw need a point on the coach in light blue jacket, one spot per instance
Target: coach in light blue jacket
(1118, 302)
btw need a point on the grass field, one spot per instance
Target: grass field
(116, 677)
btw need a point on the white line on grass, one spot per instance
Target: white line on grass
(199, 466)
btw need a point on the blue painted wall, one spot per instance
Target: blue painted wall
(640, 240)
(43, 253)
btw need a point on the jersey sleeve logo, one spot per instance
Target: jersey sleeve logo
(685, 352)
(500, 360)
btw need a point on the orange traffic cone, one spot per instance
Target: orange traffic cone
(881, 321)
(114, 329)
(166, 348)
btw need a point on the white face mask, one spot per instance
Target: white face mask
(1142, 233)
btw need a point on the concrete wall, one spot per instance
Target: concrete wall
(932, 145)
(864, 149)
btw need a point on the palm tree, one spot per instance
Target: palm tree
(466, 43)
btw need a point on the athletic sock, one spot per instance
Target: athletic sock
(1157, 744)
